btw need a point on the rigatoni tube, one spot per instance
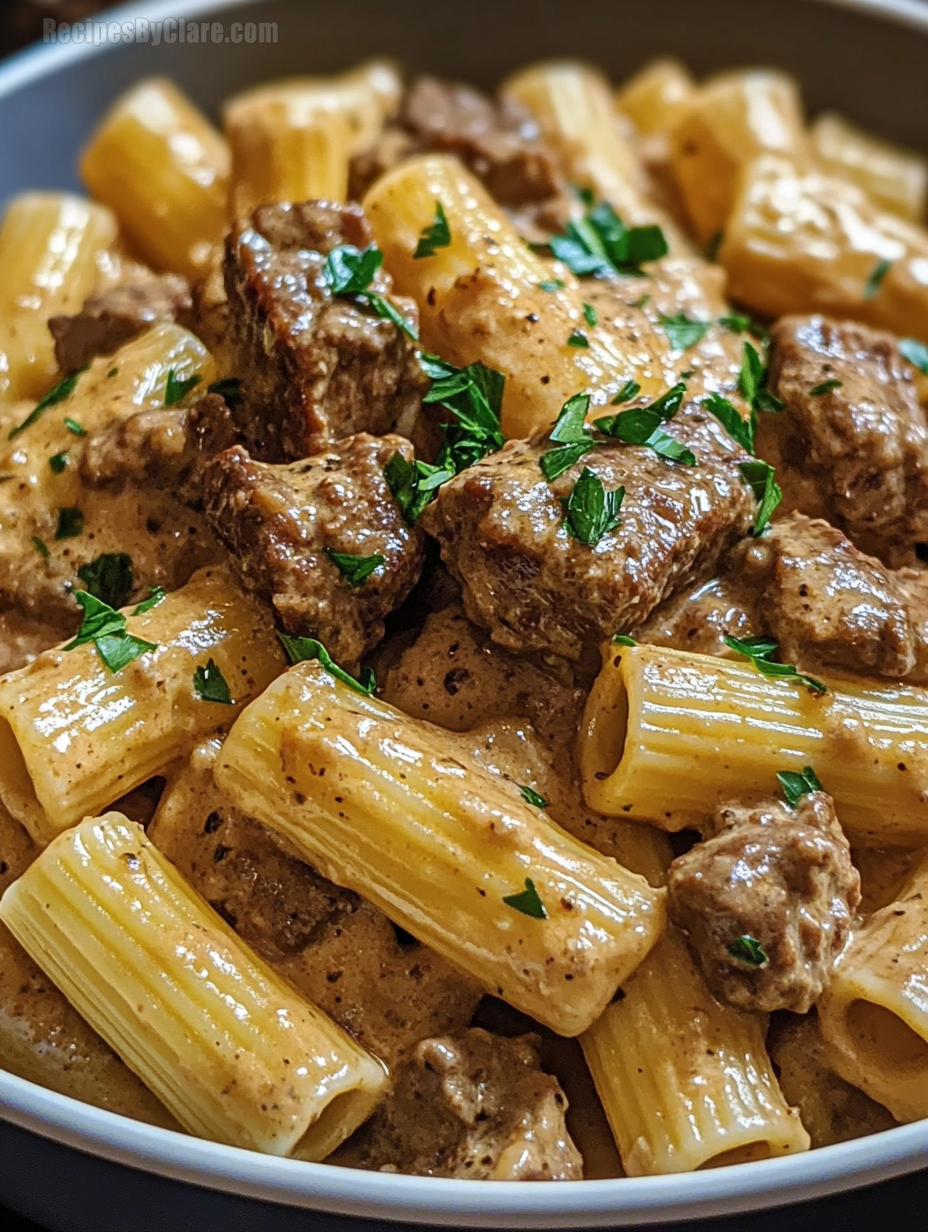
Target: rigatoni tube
(480, 297)
(395, 809)
(75, 736)
(228, 1047)
(164, 170)
(668, 735)
(50, 250)
(685, 1081)
(874, 1015)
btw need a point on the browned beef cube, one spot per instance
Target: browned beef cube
(502, 532)
(856, 453)
(282, 522)
(109, 320)
(314, 369)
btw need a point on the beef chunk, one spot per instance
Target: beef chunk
(474, 1106)
(856, 454)
(280, 523)
(109, 320)
(782, 877)
(314, 368)
(501, 529)
(498, 141)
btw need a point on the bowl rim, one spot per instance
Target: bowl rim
(390, 1196)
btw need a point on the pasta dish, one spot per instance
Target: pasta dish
(464, 623)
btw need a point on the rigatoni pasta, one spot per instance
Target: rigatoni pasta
(227, 1046)
(385, 805)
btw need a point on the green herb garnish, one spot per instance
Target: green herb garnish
(73, 426)
(591, 510)
(528, 901)
(875, 281)
(590, 315)
(436, 235)
(760, 649)
(601, 244)
(109, 578)
(573, 436)
(62, 391)
(156, 595)
(796, 785)
(414, 484)
(211, 686)
(761, 478)
(533, 798)
(915, 352)
(825, 388)
(738, 428)
(40, 547)
(307, 649)
(228, 387)
(349, 271)
(578, 339)
(631, 389)
(355, 569)
(748, 950)
(106, 628)
(752, 381)
(642, 426)
(552, 284)
(70, 524)
(58, 462)
(624, 639)
(177, 388)
(682, 332)
(474, 397)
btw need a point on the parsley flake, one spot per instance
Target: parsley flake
(761, 479)
(590, 315)
(62, 391)
(349, 271)
(642, 426)
(109, 578)
(211, 686)
(177, 388)
(572, 435)
(533, 798)
(414, 484)
(106, 628)
(229, 388)
(631, 389)
(748, 950)
(73, 426)
(113, 372)
(624, 639)
(473, 396)
(738, 428)
(307, 649)
(156, 595)
(825, 388)
(875, 281)
(760, 649)
(601, 244)
(40, 547)
(796, 785)
(70, 524)
(752, 382)
(592, 510)
(552, 284)
(58, 462)
(528, 901)
(682, 332)
(578, 339)
(915, 352)
(436, 235)
(355, 569)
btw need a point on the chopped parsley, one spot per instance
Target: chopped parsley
(533, 798)
(414, 484)
(58, 462)
(875, 281)
(760, 649)
(642, 426)
(752, 381)
(915, 352)
(527, 901)
(156, 595)
(624, 639)
(436, 235)
(552, 284)
(349, 271)
(591, 510)
(109, 578)
(306, 649)
(748, 950)
(106, 628)
(738, 428)
(40, 547)
(228, 387)
(211, 686)
(70, 524)
(572, 435)
(474, 398)
(741, 323)
(825, 388)
(578, 339)
(590, 315)
(761, 479)
(62, 391)
(601, 244)
(113, 372)
(682, 332)
(631, 389)
(177, 388)
(355, 569)
(641, 303)
(73, 426)
(796, 785)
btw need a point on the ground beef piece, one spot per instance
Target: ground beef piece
(781, 876)
(314, 368)
(109, 320)
(498, 141)
(501, 528)
(474, 1106)
(856, 454)
(281, 522)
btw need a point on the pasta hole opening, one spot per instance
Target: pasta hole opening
(338, 1120)
(612, 734)
(746, 1154)
(882, 1040)
(16, 788)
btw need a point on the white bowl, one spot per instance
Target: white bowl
(866, 57)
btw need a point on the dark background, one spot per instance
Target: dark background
(891, 1205)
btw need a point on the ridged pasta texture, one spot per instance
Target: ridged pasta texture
(228, 1047)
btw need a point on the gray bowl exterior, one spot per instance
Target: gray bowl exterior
(871, 69)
